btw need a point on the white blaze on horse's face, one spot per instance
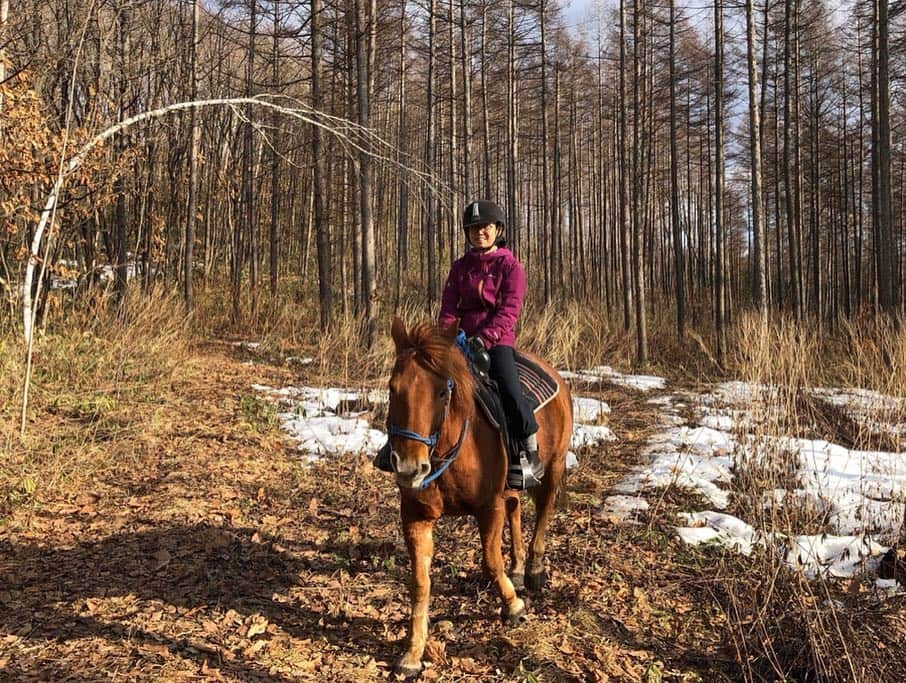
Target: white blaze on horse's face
(417, 401)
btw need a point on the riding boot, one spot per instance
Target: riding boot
(382, 459)
(529, 470)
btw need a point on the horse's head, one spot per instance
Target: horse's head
(430, 383)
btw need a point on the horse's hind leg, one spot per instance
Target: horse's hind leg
(517, 544)
(545, 498)
(490, 525)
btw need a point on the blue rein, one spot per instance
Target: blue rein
(432, 439)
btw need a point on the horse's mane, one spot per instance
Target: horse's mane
(436, 352)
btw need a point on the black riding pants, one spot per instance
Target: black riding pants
(520, 418)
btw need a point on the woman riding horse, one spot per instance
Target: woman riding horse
(484, 293)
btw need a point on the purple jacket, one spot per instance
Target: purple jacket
(485, 291)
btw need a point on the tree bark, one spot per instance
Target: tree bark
(755, 131)
(678, 263)
(189, 263)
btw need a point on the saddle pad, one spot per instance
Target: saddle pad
(539, 387)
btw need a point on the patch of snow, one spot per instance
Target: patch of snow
(723, 423)
(571, 460)
(589, 410)
(590, 435)
(621, 508)
(318, 436)
(604, 373)
(717, 527)
(838, 556)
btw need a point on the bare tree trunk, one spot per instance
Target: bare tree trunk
(273, 255)
(454, 160)
(189, 264)
(251, 223)
(430, 201)
(719, 285)
(638, 266)
(886, 248)
(325, 290)
(755, 131)
(625, 237)
(4, 19)
(795, 292)
(549, 290)
(512, 186)
(466, 59)
(364, 16)
(402, 215)
(122, 19)
(678, 263)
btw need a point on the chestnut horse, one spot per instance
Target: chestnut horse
(449, 460)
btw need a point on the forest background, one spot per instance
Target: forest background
(646, 159)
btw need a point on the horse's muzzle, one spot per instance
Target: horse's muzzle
(409, 474)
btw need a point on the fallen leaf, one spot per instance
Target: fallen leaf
(256, 628)
(162, 559)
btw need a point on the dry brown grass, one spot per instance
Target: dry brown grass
(97, 382)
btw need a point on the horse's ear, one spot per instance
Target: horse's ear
(399, 334)
(451, 330)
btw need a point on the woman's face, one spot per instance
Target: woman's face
(483, 236)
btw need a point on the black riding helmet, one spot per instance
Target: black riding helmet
(482, 212)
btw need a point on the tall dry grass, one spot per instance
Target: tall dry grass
(782, 625)
(97, 383)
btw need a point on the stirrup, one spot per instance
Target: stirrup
(527, 473)
(382, 459)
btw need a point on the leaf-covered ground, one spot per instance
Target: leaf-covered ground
(210, 553)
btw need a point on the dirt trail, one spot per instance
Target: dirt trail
(213, 555)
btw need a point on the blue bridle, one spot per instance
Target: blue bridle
(432, 439)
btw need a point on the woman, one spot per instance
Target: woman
(484, 291)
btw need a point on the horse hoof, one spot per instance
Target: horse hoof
(537, 581)
(516, 618)
(518, 581)
(408, 670)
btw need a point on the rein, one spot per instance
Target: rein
(442, 463)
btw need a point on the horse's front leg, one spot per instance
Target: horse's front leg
(420, 541)
(490, 525)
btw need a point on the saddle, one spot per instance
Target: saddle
(538, 388)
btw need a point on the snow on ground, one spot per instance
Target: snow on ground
(326, 421)
(878, 413)
(605, 373)
(857, 497)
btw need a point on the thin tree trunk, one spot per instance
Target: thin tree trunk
(189, 264)
(678, 264)
(430, 202)
(625, 236)
(402, 216)
(364, 16)
(638, 266)
(719, 285)
(325, 290)
(755, 131)
(273, 255)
